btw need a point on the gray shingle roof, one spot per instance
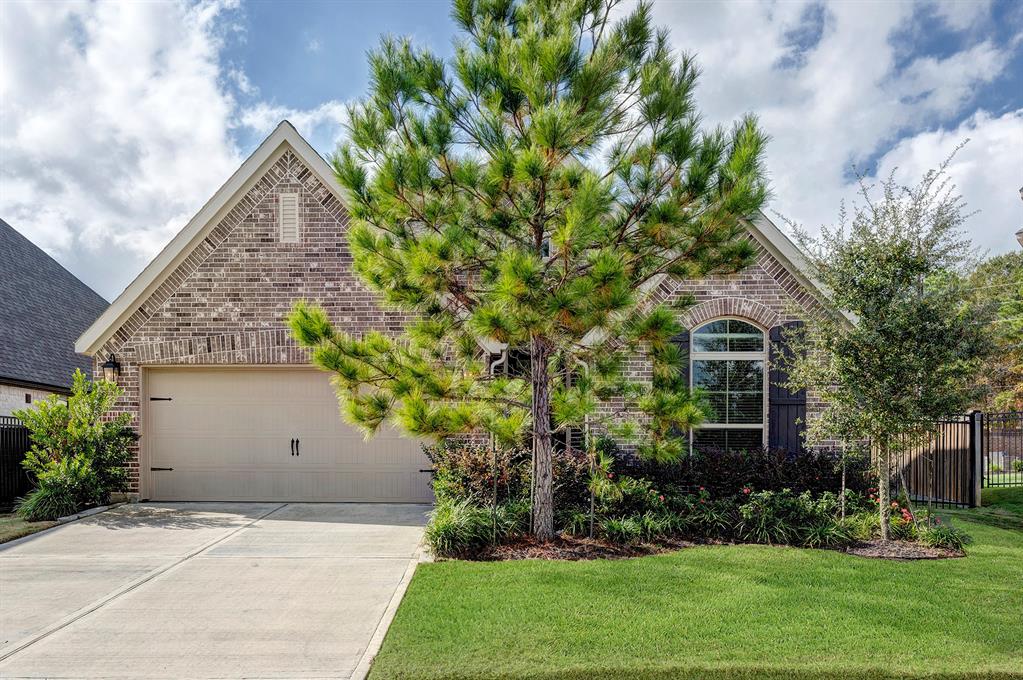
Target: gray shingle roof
(43, 309)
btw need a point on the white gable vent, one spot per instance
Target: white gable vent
(289, 217)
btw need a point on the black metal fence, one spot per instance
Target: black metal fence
(14, 442)
(1003, 449)
(944, 467)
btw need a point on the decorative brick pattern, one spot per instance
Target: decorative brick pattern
(226, 302)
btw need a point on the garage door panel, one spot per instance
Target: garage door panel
(227, 435)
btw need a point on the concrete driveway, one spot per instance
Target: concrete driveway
(207, 590)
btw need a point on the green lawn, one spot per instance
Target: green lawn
(722, 612)
(12, 527)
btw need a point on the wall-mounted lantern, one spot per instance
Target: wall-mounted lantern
(111, 369)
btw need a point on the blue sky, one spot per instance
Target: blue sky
(118, 121)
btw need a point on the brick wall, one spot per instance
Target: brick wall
(226, 303)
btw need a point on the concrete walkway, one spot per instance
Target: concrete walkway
(207, 590)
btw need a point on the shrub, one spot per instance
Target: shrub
(726, 473)
(945, 536)
(623, 530)
(787, 518)
(1017, 465)
(466, 471)
(77, 458)
(458, 528)
(863, 526)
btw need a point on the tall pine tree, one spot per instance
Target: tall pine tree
(527, 195)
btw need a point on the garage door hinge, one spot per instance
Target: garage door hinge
(162, 469)
(159, 398)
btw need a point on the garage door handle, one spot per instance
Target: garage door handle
(293, 446)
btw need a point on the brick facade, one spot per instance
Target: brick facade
(225, 303)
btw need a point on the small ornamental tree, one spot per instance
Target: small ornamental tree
(904, 343)
(528, 194)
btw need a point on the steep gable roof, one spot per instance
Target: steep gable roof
(285, 136)
(44, 309)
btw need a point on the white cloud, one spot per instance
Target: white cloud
(116, 120)
(835, 85)
(322, 125)
(114, 128)
(988, 172)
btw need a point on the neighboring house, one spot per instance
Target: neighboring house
(43, 308)
(228, 406)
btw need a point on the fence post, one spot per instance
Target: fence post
(976, 457)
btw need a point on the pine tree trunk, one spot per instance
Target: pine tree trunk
(543, 499)
(884, 487)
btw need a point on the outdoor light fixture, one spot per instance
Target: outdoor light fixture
(111, 369)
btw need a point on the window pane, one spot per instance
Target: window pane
(745, 376)
(746, 407)
(718, 411)
(728, 439)
(710, 375)
(744, 337)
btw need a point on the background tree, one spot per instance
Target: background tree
(527, 194)
(903, 343)
(999, 281)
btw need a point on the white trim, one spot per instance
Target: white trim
(763, 356)
(284, 137)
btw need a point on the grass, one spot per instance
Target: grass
(723, 612)
(12, 527)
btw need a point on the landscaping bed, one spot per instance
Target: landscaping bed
(728, 611)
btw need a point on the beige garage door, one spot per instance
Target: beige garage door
(227, 435)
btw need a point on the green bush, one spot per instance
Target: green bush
(459, 528)
(466, 471)
(864, 525)
(77, 457)
(623, 530)
(1017, 465)
(787, 518)
(944, 536)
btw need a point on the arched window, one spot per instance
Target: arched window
(729, 362)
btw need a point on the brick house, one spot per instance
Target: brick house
(229, 408)
(44, 309)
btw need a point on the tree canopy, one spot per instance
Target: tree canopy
(903, 343)
(529, 193)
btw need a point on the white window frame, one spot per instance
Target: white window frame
(736, 356)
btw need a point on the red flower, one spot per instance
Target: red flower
(745, 489)
(895, 504)
(703, 500)
(702, 489)
(661, 498)
(610, 475)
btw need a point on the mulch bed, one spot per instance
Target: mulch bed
(566, 547)
(899, 550)
(573, 548)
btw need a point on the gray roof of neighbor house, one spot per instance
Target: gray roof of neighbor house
(43, 308)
